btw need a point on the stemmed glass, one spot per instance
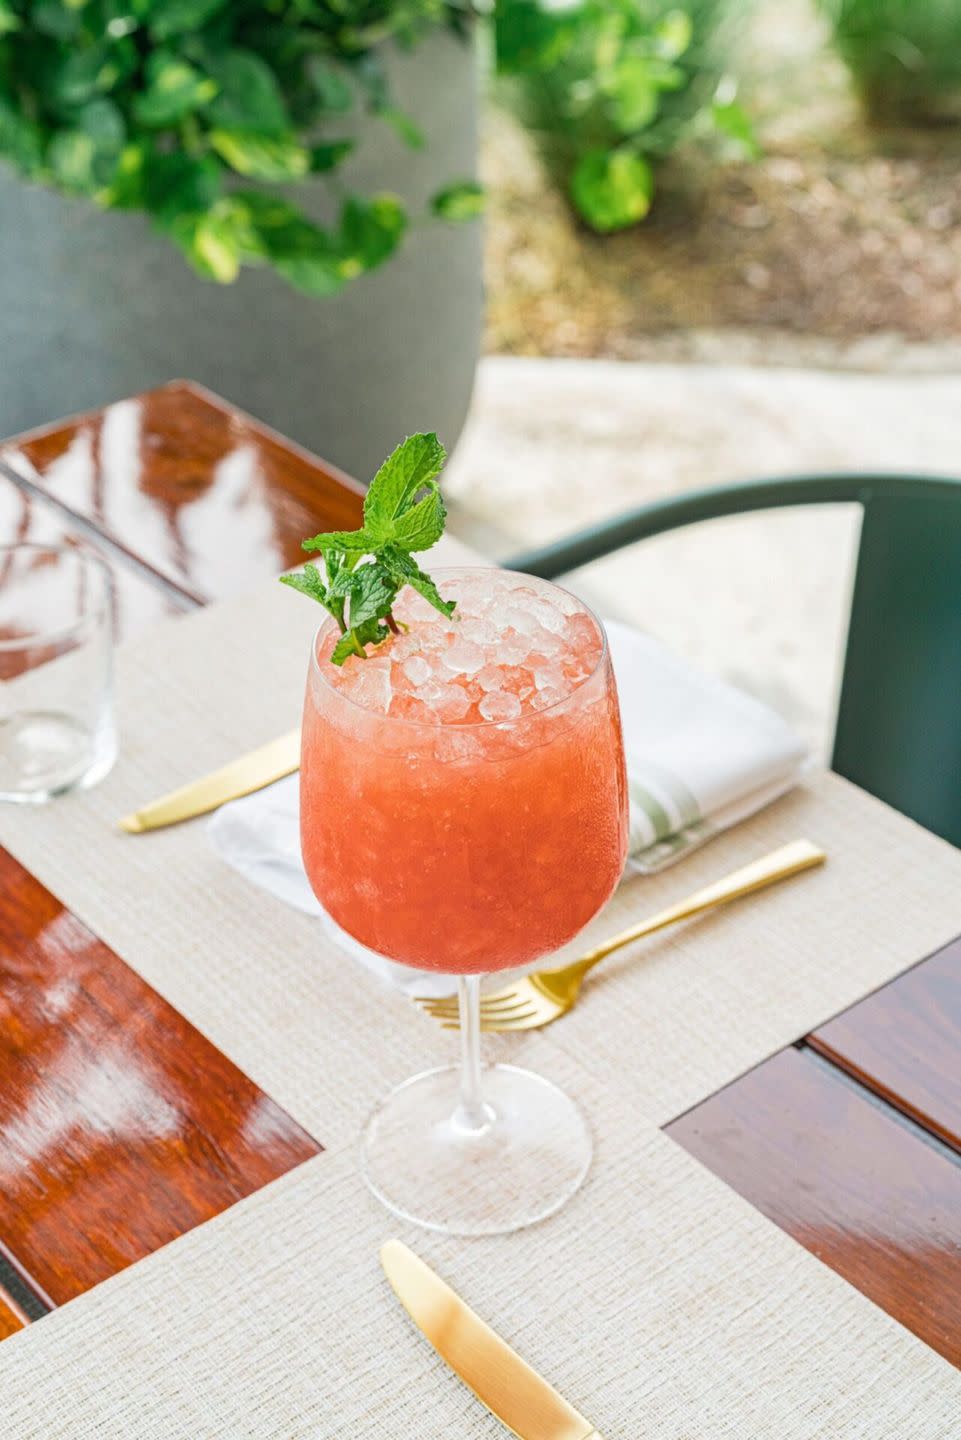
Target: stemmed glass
(463, 810)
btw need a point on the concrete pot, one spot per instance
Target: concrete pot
(95, 306)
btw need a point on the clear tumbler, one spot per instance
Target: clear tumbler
(57, 728)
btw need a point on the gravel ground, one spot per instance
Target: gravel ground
(840, 247)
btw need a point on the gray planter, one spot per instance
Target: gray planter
(95, 306)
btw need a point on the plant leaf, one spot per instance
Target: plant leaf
(404, 126)
(373, 592)
(612, 189)
(462, 201)
(372, 632)
(249, 96)
(52, 17)
(634, 93)
(332, 89)
(85, 159)
(261, 157)
(209, 244)
(422, 526)
(370, 231)
(21, 140)
(329, 155)
(87, 71)
(414, 463)
(181, 17)
(175, 89)
(406, 571)
(529, 38)
(308, 582)
(357, 542)
(732, 120)
(177, 184)
(673, 34)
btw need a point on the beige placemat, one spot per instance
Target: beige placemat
(663, 1302)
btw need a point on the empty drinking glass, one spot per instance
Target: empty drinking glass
(56, 658)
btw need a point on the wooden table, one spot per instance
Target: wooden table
(850, 1140)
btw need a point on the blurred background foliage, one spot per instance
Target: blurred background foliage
(169, 106)
(207, 114)
(904, 56)
(611, 87)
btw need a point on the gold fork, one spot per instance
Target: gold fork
(536, 1000)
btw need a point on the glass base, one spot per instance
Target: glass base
(45, 753)
(428, 1163)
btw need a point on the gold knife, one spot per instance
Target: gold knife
(499, 1378)
(241, 777)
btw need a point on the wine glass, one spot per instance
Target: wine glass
(464, 810)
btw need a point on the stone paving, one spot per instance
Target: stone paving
(553, 445)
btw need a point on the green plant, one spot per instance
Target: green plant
(904, 55)
(612, 86)
(203, 114)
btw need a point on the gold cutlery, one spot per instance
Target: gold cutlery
(500, 1379)
(538, 999)
(241, 777)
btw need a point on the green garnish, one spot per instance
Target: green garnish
(366, 568)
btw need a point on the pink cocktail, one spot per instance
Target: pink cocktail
(463, 809)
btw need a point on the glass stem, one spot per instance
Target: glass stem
(472, 1113)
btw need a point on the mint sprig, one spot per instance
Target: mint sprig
(366, 569)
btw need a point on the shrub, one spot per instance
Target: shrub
(612, 86)
(202, 112)
(904, 55)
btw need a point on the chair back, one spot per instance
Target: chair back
(899, 720)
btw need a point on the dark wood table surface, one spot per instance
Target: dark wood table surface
(850, 1140)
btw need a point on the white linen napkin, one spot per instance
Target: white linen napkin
(701, 756)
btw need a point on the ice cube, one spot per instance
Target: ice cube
(491, 678)
(479, 632)
(464, 658)
(513, 649)
(551, 695)
(417, 669)
(521, 620)
(451, 703)
(549, 646)
(550, 677)
(370, 685)
(581, 632)
(498, 706)
(548, 616)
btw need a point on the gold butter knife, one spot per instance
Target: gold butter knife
(500, 1379)
(241, 777)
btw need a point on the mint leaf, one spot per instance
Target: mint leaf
(371, 633)
(308, 582)
(372, 594)
(403, 513)
(356, 541)
(406, 571)
(393, 489)
(423, 525)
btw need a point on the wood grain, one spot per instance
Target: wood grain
(121, 1126)
(12, 1318)
(904, 1043)
(857, 1186)
(208, 498)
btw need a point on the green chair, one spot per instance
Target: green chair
(899, 720)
